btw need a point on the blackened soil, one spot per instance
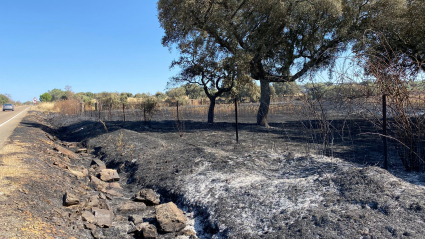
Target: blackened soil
(276, 182)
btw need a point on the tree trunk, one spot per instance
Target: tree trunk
(263, 110)
(211, 110)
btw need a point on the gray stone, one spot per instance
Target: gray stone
(89, 226)
(113, 193)
(103, 204)
(80, 173)
(93, 201)
(98, 184)
(97, 233)
(60, 165)
(88, 217)
(147, 196)
(170, 218)
(102, 196)
(136, 218)
(109, 175)
(123, 228)
(81, 150)
(97, 164)
(115, 185)
(66, 152)
(130, 206)
(147, 230)
(70, 199)
(103, 217)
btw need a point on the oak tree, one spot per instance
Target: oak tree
(396, 39)
(280, 40)
(203, 64)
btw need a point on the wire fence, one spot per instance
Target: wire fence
(350, 129)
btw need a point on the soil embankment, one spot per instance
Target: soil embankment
(55, 189)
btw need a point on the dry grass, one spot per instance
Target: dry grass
(68, 107)
(46, 107)
(11, 167)
(228, 109)
(14, 174)
(134, 100)
(120, 142)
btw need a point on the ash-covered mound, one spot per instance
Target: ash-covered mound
(242, 191)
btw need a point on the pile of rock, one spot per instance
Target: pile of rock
(108, 213)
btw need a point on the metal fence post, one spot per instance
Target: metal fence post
(384, 127)
(123, 110)
(178, 111)
(144, 112)
(236, 119)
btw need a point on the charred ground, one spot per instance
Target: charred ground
(270, 185)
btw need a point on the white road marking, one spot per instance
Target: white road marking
(13, 117)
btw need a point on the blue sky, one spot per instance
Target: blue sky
(90, 45)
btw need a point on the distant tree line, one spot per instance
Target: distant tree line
(7, 98)
(246, 93)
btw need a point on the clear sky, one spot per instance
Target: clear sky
(90, 45)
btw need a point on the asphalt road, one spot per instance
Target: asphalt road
(9, 120)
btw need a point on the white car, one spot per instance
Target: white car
(8, 107)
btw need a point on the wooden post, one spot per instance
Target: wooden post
(384, 127)
(236, 119)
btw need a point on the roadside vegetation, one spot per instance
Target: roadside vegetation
(7, 98)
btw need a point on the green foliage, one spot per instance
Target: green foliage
(194, 91)
(57, 94)
(124, 96)
(111, 99)
(336, 92)
(84, 97)
(316, 91)
(3, 99)
(160, 96)
(271, 40)
(271, 36)
(90, 95)
(397, 42)
(127, 94)
(46, 97)
(286, 88)
(141, 96)
(177, 94)
(149, 107)
(250, 92)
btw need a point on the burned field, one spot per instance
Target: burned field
(277, 182)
